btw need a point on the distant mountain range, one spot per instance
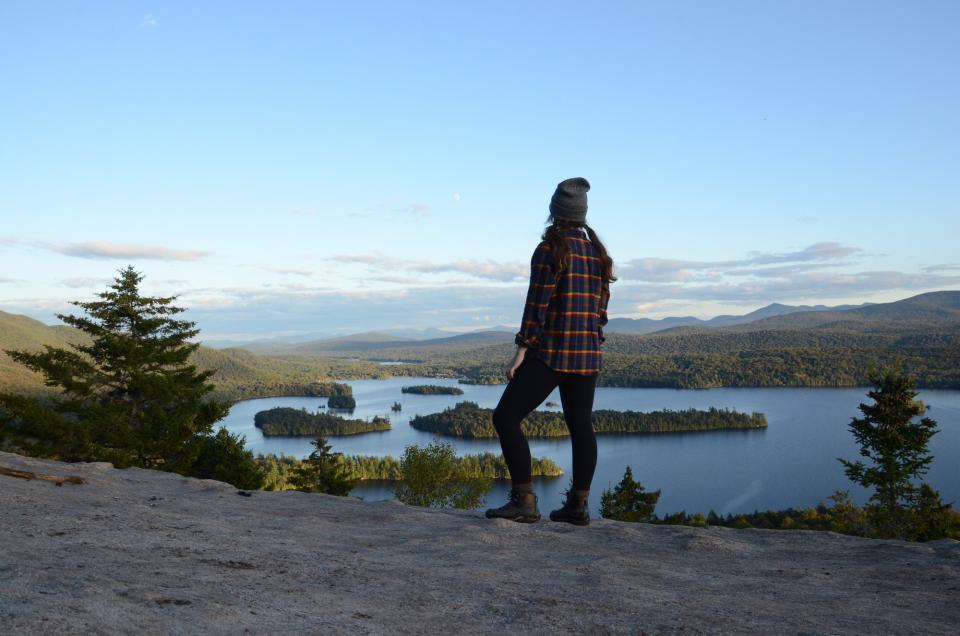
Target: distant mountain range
(933, 307)
(617, 325)
(649, 325)
(370, 340)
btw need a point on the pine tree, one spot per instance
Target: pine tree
(128, 394)
(628, 501)
(896, 446)
(323, 471)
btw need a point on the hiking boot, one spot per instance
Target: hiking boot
(574, 510)
(521, 507)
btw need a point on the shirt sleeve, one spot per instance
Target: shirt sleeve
(604, 300)
(543, 281)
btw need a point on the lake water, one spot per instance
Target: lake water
(791, 463)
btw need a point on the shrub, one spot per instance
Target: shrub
(433, 477)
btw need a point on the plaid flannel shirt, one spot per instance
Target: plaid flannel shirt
(564, 314)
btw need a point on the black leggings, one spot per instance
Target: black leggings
(532, 383)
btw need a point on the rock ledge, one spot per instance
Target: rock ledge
(144, 552)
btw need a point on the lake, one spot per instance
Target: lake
(791, 463)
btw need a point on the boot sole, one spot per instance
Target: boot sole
(518, 518)
(576, 522)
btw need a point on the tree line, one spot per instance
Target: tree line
(432, 389)
(287, 421)
(468, 419)
(278, 470)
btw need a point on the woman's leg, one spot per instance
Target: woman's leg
(532, 383)
(576, 395)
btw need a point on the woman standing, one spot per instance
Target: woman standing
(558, 345)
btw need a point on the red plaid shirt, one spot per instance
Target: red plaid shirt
(564, 316)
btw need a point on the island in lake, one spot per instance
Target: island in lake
(432, 389)
(286, 421)
(342, 402)
(467, 419)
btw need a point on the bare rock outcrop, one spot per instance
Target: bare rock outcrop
(143, 552)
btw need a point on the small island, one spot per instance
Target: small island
(467, 419)
(432, 389)
(342, 402)
(286, 421)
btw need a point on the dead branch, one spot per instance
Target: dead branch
(26, 474)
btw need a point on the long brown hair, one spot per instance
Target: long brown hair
(553, 235)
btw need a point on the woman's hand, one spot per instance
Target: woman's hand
(515, 363)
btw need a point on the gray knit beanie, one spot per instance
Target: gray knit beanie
(569, 202)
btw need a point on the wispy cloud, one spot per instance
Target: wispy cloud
(399, 280)
(815, 256)
(393, 206)
(946, 267)
(105, 249)
(149, 22)
(824, 251)
(10, 280)
(485, 269)
(804, 286)
(291, 271)
(85, 281)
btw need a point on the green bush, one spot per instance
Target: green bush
(224, 458)
(432, 477)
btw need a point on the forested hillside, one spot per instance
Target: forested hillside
(815, 348)
(239, 374)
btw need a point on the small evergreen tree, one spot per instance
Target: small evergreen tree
(323, 471)
(628, 501)
(224, 458)
(896, 446)
(934, 519)
(432, 477)
(128, 394)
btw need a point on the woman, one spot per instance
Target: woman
(558, 345)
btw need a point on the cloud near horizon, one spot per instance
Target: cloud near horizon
(399, 293)
(815, 256)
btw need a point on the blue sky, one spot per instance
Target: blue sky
(322, 167)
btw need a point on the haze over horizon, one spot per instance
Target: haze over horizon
(315, 168)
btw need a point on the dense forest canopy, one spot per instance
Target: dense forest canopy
(432, 389)
(286, 421)
(467, 419)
